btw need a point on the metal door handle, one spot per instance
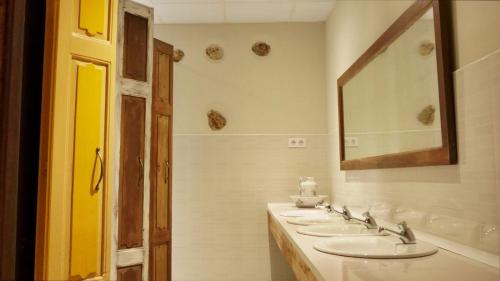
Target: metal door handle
(98, 153)
(165, 176)
(141, 172)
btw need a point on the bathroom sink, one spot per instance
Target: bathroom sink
(303, 213)
(378, 247)
(313, 220)
(338, 229)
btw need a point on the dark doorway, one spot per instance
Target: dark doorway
(21, 78)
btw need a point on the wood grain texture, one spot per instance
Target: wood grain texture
(447, 153)
(130, 273)
(160, 269)
(10, 115)
(138, 88)
(161, 163)
(299, 267)
(131, 192)
(135, 47)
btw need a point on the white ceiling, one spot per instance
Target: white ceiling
(239, 11)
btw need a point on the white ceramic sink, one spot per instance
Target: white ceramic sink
(378, 247)
(313, 220)
(338, 229)
(303, 213)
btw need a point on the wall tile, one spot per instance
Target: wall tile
(221, 186)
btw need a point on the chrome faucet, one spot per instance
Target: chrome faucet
(330, 209)
(368, 220)
(405, 234)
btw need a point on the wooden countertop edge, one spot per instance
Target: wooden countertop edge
(291, 253)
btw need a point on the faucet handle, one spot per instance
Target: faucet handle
(403, 226)
(324, 206)
(366, 214)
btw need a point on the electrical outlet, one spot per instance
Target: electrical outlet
(351, 142)
(297, 142)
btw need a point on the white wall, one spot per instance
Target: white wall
(224, 179)
(281, 93)
(459, 202)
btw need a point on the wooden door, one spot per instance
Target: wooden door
(134, 97)
(161, 164)
(131, 192)
(73, 230)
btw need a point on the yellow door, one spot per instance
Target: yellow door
(73, 229)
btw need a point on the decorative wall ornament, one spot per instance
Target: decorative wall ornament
(178, 55)
(426, 48)
(261, 48)
(216, 120)
(426, 116)
(214, 52)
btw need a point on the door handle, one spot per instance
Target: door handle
(165, 176)
(141, 171)
(101, 176)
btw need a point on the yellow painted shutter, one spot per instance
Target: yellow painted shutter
(73, 229)
(87, 217)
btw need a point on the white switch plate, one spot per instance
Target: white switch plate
(297, 142)
(351, 142)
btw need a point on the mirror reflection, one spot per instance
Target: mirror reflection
(392, 104)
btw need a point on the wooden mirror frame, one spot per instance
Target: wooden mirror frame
(447, 153)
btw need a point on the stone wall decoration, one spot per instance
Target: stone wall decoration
(426, 48)
(214, 52)
(426, 116)
(261, 49)
(178, 55)
(216, 120)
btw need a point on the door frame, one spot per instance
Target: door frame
(10, 128)
(22, 27)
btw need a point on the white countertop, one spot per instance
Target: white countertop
(442, 266)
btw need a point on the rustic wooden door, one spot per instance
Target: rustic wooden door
(131, 195)
(134, 98)
(73, 230)
(161, 164)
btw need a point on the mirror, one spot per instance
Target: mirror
(396, 100)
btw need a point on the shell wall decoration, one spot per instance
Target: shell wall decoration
(426, 116)
(426, 48)
(216, 120)
(178, 55)
(261, 48)
(214, 52)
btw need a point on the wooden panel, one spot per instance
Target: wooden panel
(130, 273)
(2, 40)
(299, 267)
(130, 217)
(160, 265)
(162, 174)
(135, 47)
(87, 217)
(92, 17)
(65, 42)
(161, 163)
(162, 76)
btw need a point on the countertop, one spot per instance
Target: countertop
(442, 266)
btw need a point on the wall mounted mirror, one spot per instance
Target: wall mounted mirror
(396, 101)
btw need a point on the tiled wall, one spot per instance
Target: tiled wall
(222, 184)
(222, 180)
(458, 202)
